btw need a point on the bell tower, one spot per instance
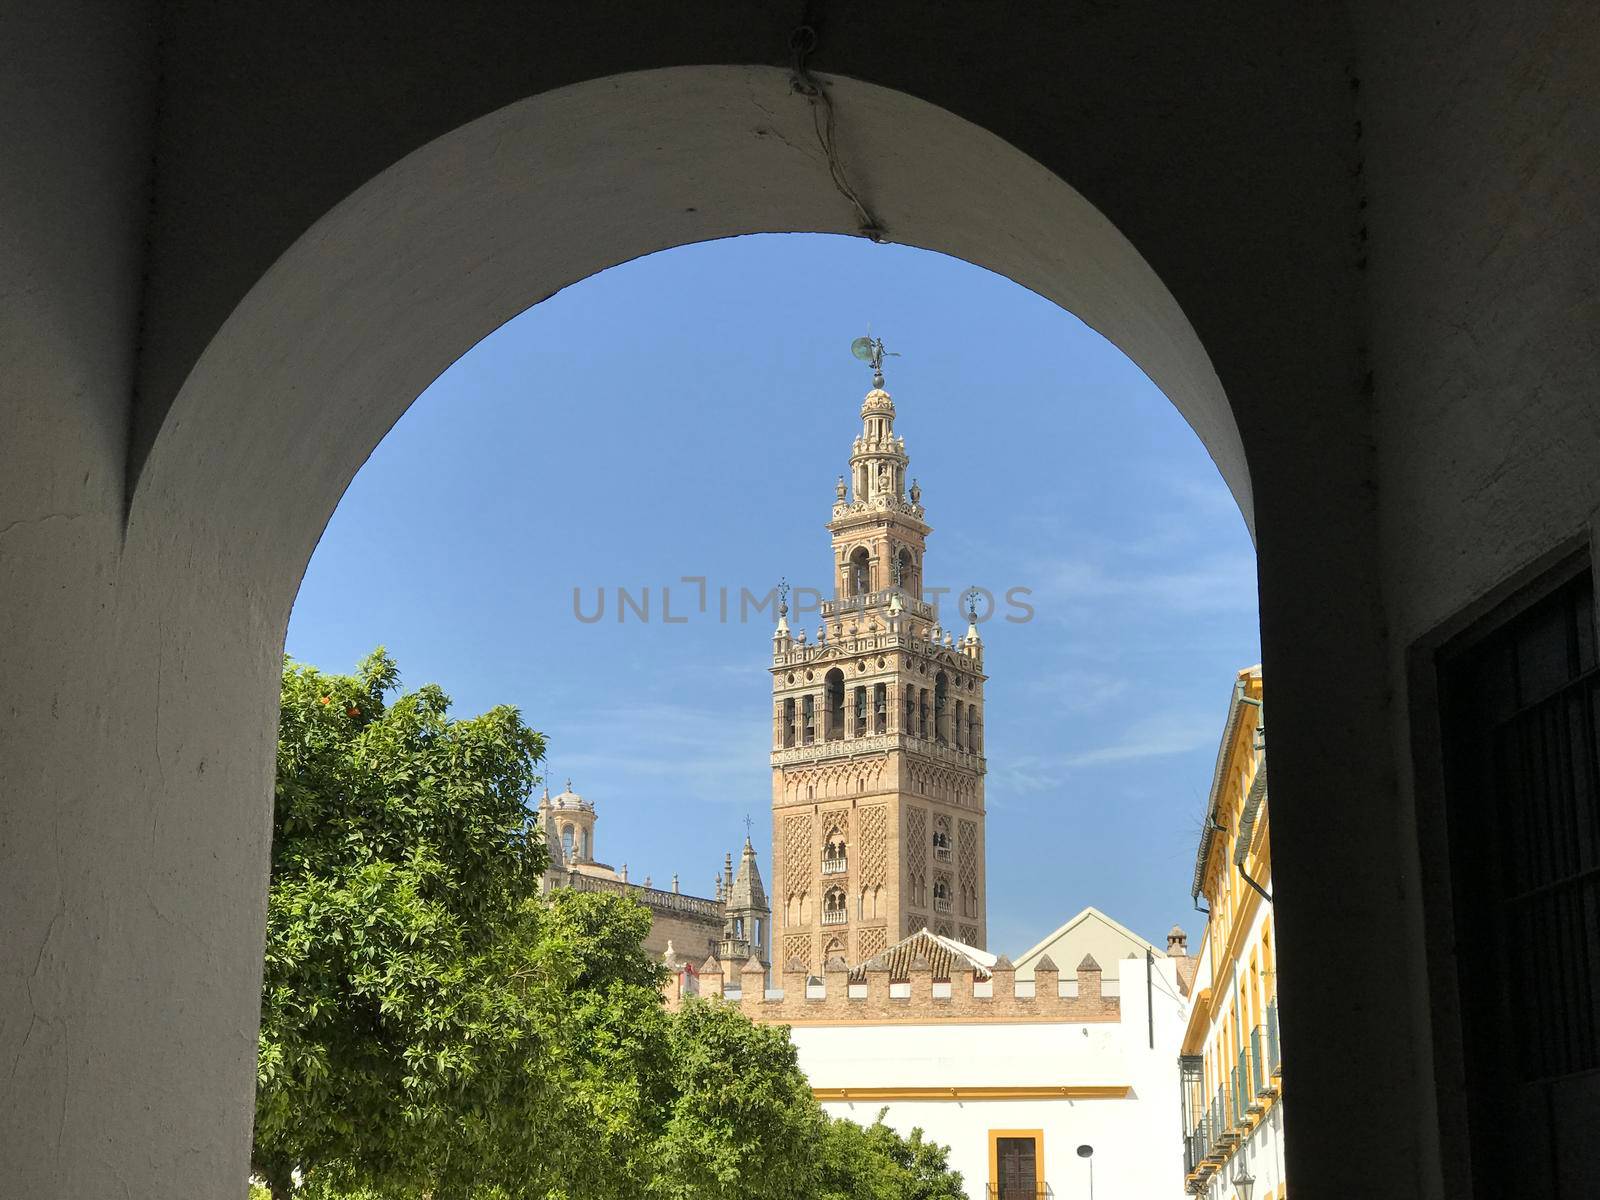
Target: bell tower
(877, 751)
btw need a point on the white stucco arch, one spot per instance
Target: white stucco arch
(386, 290)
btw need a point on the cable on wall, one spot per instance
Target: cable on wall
(824, 120)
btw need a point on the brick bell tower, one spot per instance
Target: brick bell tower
(877, 750)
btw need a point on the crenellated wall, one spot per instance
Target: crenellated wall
(919, 1000)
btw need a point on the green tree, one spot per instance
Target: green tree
(742, 1123)
(404, 872)
(877, 1163)
(434, 1027)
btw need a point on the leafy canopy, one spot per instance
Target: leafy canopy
(432, 1026)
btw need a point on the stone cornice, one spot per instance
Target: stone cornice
(880, 743)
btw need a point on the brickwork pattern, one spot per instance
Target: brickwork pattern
(967, 851)
(944, 783)
(871, 941)
(796, 946)
(797, 853)
(916, 840)
(874, 820)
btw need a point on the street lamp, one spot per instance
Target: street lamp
(1087, 1151)
(1244, 1184)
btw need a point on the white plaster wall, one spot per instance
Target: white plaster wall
(1138, 1147)
(1262, 1157)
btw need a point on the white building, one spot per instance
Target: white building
(1015, 1076)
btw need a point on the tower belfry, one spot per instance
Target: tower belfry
(877, 756)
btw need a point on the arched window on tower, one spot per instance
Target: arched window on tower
(833, 950)
(586, 850)
(941, 709)
(908, 724)
(958, 726)
(860, 728)
(880, 708)
(788, 722)
(808, 717)
(910, 577)
(860, 572)
(834, 907)
(834, 860)
(833, 722)
(941, 838)
(922, 712)
(941, 895)
(568, 833)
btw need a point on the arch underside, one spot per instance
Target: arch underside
(386, 290)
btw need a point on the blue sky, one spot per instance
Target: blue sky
(686, 415)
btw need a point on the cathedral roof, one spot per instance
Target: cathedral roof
(926, 949)
(747, 891)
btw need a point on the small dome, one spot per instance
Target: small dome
(570, 799)
(877, 401)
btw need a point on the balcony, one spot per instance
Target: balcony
(1260, 1080)
(836, 917)
(1012, 1191)
(941, 904)
(834, 866)
(1274, 1047)
(941, 853)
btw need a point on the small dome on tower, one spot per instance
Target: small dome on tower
(570, 799)
(877, 401)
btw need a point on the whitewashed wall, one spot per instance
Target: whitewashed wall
(1138, 1152)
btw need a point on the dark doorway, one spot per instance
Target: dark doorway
(1522, 760)
(1016, 1168)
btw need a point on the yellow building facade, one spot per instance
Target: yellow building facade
(1231, 1062)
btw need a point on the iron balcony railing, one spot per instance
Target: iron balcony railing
(1196, 1144)
(1260, 1085)
(1027, 1192)
(1274, 1045)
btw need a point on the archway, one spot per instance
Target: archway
(365, 309)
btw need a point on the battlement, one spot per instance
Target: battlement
(920, 999)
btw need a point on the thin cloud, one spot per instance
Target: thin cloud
(1215, 583)
(1151, 737)
(714, 755)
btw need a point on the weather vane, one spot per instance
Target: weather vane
(748, 825)
(870, 351)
